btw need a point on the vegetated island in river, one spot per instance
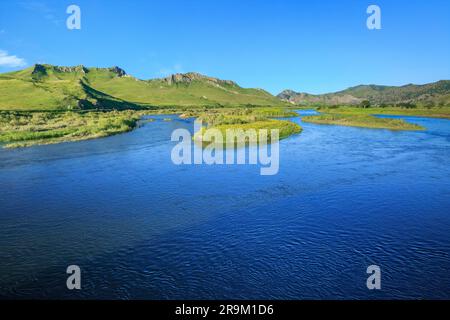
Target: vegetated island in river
(242, 120)
(435, 112)
(362, 120)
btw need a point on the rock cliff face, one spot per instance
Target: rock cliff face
(45, 69)
(193, 76)
(39, 70)
(120, 72)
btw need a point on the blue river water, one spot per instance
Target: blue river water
(141, 227)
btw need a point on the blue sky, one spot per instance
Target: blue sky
(309, 46)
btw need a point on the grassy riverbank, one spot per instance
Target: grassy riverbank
(362, 120)
(22, 129)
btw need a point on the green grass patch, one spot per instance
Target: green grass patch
(230, 116)
(284, 127)
(362, 120)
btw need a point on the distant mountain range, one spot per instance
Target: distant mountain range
(432, 94)
(48, 87)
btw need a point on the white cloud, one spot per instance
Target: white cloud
(10, 61)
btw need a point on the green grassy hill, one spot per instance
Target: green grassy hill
(427, 95)
(47, 87)
(190, 89)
